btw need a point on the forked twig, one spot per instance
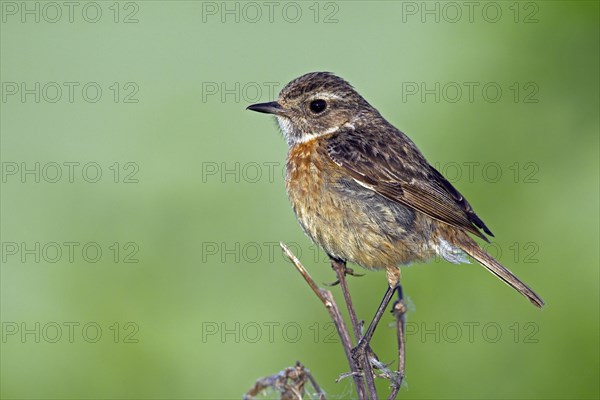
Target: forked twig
(327, 299)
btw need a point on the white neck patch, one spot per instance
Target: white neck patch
(288, 131)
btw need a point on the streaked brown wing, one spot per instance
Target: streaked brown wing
(397, 170)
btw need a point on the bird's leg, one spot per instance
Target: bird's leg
(366, 339)
(393, 276)
(399, 310)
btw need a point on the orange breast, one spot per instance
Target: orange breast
(304, 180)
(307, 168)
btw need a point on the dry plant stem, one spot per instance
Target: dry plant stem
(327, 299)
(394, 392)
(315, 385)
(290, 383)
(340, 269)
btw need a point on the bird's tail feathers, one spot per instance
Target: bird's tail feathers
(470, 247)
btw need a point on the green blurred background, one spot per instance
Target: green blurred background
(197, 196)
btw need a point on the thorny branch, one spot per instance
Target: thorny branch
(340, 269)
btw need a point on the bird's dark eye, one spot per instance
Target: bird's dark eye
(318, 106)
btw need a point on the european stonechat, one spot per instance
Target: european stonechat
(362, 190)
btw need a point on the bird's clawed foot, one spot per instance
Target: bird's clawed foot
(339, 265)
(360, 350)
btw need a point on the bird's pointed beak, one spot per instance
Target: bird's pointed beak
(272, 107)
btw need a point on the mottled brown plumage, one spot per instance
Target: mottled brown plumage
(363, 191)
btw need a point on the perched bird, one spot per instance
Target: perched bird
(362, 190)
